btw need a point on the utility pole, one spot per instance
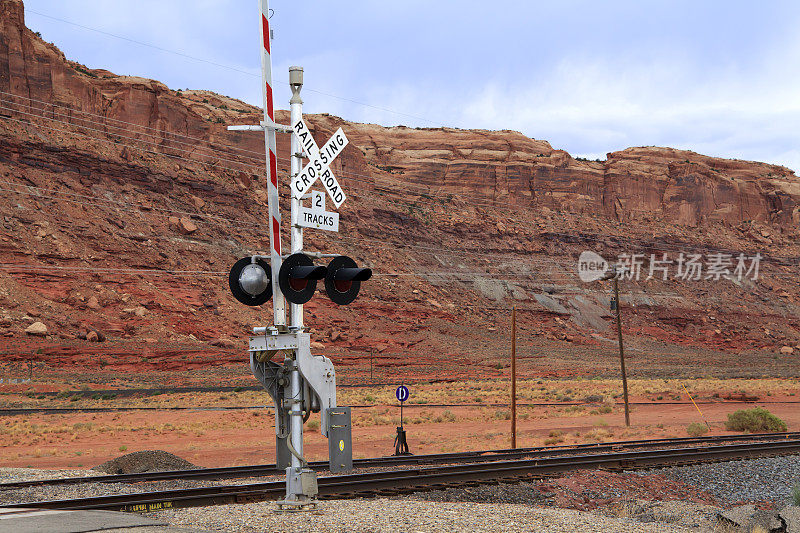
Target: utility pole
(614, 275)
(514, 377)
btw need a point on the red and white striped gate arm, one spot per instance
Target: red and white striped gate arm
(278, 301)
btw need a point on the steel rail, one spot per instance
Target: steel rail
(493, 456)
(233, 472)
(393, 482)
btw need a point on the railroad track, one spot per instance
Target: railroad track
(417, 479)
(234, 472)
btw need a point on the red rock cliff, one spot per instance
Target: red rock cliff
(104, 173)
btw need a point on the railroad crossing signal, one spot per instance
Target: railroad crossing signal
(319, 161)
(250, 279)
(343, 280)
(298, 382)
(298, 278)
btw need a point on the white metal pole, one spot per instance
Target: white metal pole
(278, 301)
(296, 314)
(296, 110)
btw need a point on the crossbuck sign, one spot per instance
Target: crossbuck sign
(319, 161)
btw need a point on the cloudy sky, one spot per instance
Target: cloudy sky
(718, 77)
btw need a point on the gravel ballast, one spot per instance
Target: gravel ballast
(766, 479)
(406, 515)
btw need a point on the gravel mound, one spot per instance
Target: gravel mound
(145, 461)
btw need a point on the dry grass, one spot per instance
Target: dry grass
(434, 428)
(590, 391)
(598, 435)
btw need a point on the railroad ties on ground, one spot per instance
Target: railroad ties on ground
(395, 482)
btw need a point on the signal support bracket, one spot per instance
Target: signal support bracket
(281, 341)
(317, 371)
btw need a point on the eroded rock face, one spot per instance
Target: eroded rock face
(635, 184)
(478, 165)
(138, 177)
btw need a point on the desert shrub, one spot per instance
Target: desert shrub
(754, 420)
(503, 415)
(555, 433)
(796, 495)
(695, 429)
(598, 435)
(605, 409)
(313, 424)
(593, 398)
(553, 440)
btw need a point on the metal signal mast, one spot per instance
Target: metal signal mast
(300, 383)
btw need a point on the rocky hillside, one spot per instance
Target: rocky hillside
(125, 202)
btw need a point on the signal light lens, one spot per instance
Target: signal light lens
(344, 278)
(251, 282)
(298, 278)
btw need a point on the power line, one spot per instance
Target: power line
(234, 69)
(162, 132)
(221, 65)
(436, 249)
(480, 201)
(63, 271)
(134, 139)
(107, 270)
(134, 208)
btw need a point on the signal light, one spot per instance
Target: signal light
(250, 281)
(344, 278)
(298, 278)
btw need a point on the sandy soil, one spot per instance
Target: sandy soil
(219, 438)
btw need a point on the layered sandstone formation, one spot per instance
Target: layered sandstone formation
(107, 178)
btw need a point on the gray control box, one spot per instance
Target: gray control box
(283, 457)
(340, 439)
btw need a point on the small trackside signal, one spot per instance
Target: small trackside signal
(298, 278)
(344, 278)
(250, 281)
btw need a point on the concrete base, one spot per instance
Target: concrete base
(40, 520)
